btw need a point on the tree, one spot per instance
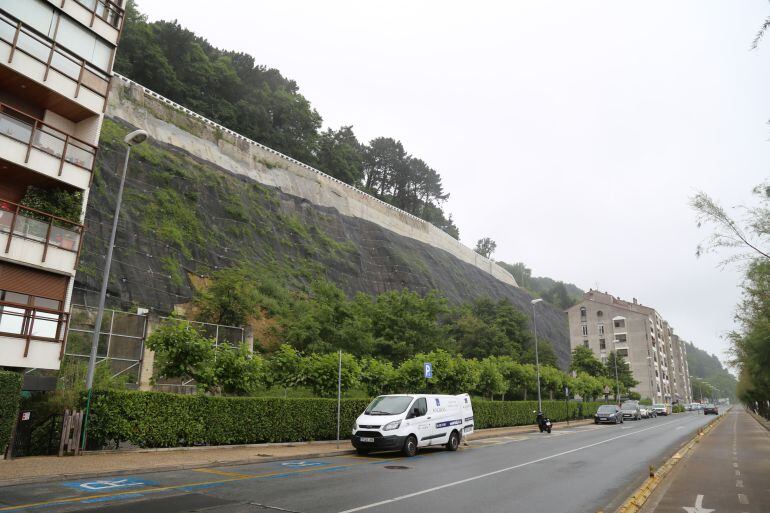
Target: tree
(286, 367)
(488, 328)
(545, 353)
(341, 155)
(231, 298)
(377, 376)
(491, 380)
(322, 373)
(485, 247)
(622, 372)
(583, 360)
(181, 351)
(237, 370)
(558, 296)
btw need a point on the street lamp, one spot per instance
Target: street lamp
(135, 137)
(537, 357)
(617, 383)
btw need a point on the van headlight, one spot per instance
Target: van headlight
(390, 426)
(355, 428)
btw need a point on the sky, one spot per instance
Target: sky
(571, 133)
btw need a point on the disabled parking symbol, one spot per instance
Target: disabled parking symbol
(100, 485)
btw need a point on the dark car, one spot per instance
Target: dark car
(608, 413)
(710, 408)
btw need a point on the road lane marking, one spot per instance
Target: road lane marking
(499, 471)
(737, 472)
(743, 499)
(219, 472)
(739, 483)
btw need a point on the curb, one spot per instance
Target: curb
(634, 503)
(760, 420)
(480, 435)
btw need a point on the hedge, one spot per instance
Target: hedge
(157, 419)
(10, 395)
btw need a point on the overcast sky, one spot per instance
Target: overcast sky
(571, 132)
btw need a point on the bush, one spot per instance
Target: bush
(10, 394)
(677, 408)
(156, 419)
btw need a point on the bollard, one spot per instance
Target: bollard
(652, 471)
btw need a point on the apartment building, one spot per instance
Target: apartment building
(656, 356)
(56, 62)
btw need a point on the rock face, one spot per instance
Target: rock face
(199, 198)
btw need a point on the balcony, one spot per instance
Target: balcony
(30, 143)
(31, 335)
(104, 17)
(38, 239)
(82, 87)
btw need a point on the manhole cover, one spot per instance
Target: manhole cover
(396, 467)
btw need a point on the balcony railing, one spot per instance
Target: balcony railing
(27, 223)
(107, 10)
(37, 134)
(33, 323)
(24, 38)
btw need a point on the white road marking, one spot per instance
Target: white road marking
(680, 427)
(698, 506)
(739, 483)
(735, 465)
(743, 499)
(500, 471)
(737, 472)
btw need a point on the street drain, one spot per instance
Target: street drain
(396, 467)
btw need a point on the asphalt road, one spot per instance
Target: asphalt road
(728, 472)
(582, 469)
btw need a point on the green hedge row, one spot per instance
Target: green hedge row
(10, 395)
(156, 419)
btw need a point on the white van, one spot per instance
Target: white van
(406, 422)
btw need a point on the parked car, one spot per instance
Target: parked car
(661, 409)
(608, 413)
(631, 410)
(394, 422)
(710, 408)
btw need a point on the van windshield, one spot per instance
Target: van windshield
(389, 405)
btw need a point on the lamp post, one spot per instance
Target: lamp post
(537, 356)
(135, 137)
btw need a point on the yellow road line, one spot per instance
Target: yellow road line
(220, 472)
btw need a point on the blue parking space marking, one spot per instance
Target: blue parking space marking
(302, 464)
(112, 499)
(109, 484)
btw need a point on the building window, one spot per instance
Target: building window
(619, 323)
(585, 343)
(621, 339)
(602, 344)
(584, 330)
(18, 318)
(583, 312)
(623, 353)
(601, 329)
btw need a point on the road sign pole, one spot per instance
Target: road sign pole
(339, 397)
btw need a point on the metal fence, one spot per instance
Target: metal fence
(121, 340)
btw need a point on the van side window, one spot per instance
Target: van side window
(422, 406)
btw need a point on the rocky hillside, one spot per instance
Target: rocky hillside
(184, 217)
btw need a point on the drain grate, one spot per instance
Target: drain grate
(396, 467)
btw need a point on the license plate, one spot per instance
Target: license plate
(602, 418)
(366, 439)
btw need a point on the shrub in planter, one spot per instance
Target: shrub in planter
(10, 394)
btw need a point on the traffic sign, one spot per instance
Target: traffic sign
(428, 368)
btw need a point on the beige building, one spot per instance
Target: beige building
(656, 356)
(56, 60)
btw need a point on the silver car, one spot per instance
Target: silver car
(631, 410)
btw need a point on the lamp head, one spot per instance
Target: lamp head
(536, 301)
(135, 137)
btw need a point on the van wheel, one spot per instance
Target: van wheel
(410, 446)
(454, 441)
(362, 452)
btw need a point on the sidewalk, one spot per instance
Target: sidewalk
(51, 468)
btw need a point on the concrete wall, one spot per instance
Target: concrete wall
(170, 123)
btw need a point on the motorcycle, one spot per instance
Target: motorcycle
(543, 422)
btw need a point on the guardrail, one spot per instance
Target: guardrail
(296, 162)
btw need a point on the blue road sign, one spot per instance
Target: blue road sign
(428, 370)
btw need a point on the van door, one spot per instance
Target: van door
(418, 419)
